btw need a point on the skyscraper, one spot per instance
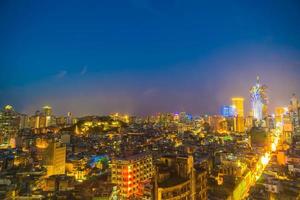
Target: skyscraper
(258, 100)
(47, 114)
(294, 110)
(9, 124)
(238, 104)
(239, 122)
(47, 110)
(43, 119)
(279, 113)
(55, 158)
(227, 111)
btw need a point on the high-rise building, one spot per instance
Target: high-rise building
(239, 124)
(9, 124)
(178, 178)
(238, 105)
(258, 100)
(69, 118)
(131, 174)
(294, 103)
(24, 121)
(287, 129)
(248, 122)
(35, 120)
(294, 111)
(279, 112)
(227, 111)
(44, 119)
(48, 117)
(47, 110)
(239, 121)
(55, 158)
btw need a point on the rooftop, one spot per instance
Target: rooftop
(172, 181)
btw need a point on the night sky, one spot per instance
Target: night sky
(146, 56)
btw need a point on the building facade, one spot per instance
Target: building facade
(258, 100)
(131, 174)
(177, 178)
(9, 125)
(55, 158)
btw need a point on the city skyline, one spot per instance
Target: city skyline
(150, 100)
(90, 59)
(248, 104)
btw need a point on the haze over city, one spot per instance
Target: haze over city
(147, 56)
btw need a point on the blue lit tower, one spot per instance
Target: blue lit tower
(258, 100)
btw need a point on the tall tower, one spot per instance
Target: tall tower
(239, 122)
(238, 104)
(9, 125)
(294, 103)
(47, 110)
(55, 158)
(294, 110)
(258, 100)
(47, 116)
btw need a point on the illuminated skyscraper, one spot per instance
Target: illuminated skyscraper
(294, 110)
(294, 103)
(47, 110)
(227, 111)
(238, 104)
(279, 113)
(55, 158)
(9, 124)
(239, 122)
(43, 119)
(47, 114)
(258, 100)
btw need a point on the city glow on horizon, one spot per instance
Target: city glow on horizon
(150, 100)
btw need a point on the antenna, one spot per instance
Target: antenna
(257, 79)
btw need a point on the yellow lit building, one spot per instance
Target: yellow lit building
(9, 126)
(239, 122)
(55, 158)
(42, 120)
(47, 110)
(131, 174)
(238, 104)
(248, 122)
(279, 112)
(281, 158)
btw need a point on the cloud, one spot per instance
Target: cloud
(150, 92)
(83, 71)
(61, 74)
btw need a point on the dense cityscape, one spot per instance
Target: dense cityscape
(149, 100)
(233, 155)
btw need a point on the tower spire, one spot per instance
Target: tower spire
(257, 79)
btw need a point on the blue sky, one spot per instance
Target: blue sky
(146, 56)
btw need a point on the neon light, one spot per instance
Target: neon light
(228, 111)
(98, 158)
